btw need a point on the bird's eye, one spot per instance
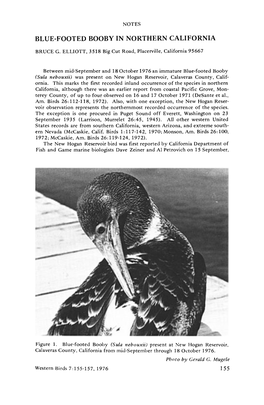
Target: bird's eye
(100, 229)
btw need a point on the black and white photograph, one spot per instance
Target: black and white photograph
(131, 252)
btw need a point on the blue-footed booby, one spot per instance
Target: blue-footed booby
(150, 281)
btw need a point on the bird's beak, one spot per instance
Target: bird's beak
(110, 246)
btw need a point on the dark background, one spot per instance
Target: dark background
(195, 200)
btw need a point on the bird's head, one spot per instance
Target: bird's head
(115, 211)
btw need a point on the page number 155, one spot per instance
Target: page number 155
(224, 368)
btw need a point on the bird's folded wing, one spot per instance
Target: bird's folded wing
(167, 293)
(172, 294)
(84, 311)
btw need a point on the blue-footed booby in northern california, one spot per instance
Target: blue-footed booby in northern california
(150, 282)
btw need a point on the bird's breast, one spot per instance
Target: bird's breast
(121, 312)
(118, 321)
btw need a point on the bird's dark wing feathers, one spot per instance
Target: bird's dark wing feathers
(84, 311)
(170, 297)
